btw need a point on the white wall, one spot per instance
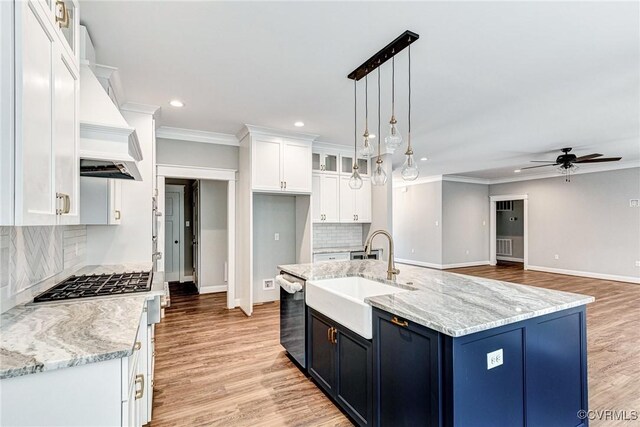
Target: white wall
(213, 233)
(416, 209)
(272, 214)
(189, 153)
(465, 223)
(587, 222)
(131, 240)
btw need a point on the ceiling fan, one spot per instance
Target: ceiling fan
(567, 162)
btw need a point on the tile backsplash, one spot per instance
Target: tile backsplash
(337, 235)
(29, 255)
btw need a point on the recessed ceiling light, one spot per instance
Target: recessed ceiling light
(176, 103)
(424, 159)
(298, 124)
(372, 135)
(517, 171)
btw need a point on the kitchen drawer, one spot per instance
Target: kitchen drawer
(333, 256)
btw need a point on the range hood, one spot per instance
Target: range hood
(109, 147)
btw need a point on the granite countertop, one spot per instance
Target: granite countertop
(341, 249)
(49, 336)
(450, 303)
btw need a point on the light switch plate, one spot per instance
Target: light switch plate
(495, 359)
(187, 223)
(276, 236)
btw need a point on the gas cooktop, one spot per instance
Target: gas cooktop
(97, 285)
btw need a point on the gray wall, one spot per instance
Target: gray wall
(415, 212)
(272, 214)
(188, 153)
(213, 233)
(514, 230)
(587, 222)
(465, 222)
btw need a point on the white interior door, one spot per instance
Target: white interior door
(172, 229)
(196, 230)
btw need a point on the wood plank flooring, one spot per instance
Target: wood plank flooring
(217, 367)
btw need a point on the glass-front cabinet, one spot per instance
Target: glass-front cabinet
(346, 165)
(325, 162)
(64, 15)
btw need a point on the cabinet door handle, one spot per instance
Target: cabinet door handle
(67, 204)
(285, 185)
(397, 321)
(333, 335)
(117, 214)
(329, 334)
(137, 345)
(357, 217)
(139, 381)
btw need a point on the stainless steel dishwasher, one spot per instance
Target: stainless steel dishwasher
(293, 317)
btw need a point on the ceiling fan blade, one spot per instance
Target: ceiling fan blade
(604, 159)
(543, 161)
(587, 157)
(539, 166)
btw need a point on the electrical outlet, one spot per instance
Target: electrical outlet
(467, 251)
(495, 359)
(637, 263)
(413, 251)
(484, 223)
(268, 284)
(437, 223)
(634, 203)
(276, 236)
(556, 256)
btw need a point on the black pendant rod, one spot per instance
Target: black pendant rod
(386, 53)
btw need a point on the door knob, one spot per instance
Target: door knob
(175, 242)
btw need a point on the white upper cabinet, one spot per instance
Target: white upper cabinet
(40, 129)
(324, 161)
(355, 205)
(326, 190)
(281, 165)
(100, 201)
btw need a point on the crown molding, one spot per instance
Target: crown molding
(167, 132)
(398, 182)
(465, 179)
(554, 174)
(265, 131)
(134, 107)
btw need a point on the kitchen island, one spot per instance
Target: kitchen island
(451, 350)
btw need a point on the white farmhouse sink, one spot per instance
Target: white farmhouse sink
(343, 300)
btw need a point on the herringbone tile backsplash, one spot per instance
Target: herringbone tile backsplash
(30, 254)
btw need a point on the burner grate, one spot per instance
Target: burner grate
(95, 285)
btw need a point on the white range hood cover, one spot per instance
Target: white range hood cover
(104, 134)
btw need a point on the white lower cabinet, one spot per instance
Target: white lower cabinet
(333, 256)
(116, 392)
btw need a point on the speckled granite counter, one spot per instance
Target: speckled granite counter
(48, 336)
(451, 303)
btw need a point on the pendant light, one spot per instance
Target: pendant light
(409, 169)
(394, 139)
(367, 149)
(379, 177)
(355, 182)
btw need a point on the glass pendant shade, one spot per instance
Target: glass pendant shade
(355, 182)
(367, 148)
(394, 139)
(379, 176)
(410, 169)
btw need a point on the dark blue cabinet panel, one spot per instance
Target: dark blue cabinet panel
(322, 353)
(354, 385)
(489, 397)
(556, 383)
(407, 374)
(340, 361)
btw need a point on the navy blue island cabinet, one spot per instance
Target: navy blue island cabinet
(341, 363)
(531, 373)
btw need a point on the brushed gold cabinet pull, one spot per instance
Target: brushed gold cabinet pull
(139, 381)
(137, 345)
(397, 321)
(329, 334)
(117, 214)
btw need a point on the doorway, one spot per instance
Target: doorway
(205, 252)
(509, 237)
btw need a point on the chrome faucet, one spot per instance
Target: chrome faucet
(392, 271)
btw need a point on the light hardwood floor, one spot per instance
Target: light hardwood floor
(217, 367)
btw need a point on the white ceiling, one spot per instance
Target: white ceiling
(495, 84)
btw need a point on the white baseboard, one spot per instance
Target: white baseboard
(465, 264)
(212, 289)
(614, 277)
(509, 258)
(441, 266)
(187, 279)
